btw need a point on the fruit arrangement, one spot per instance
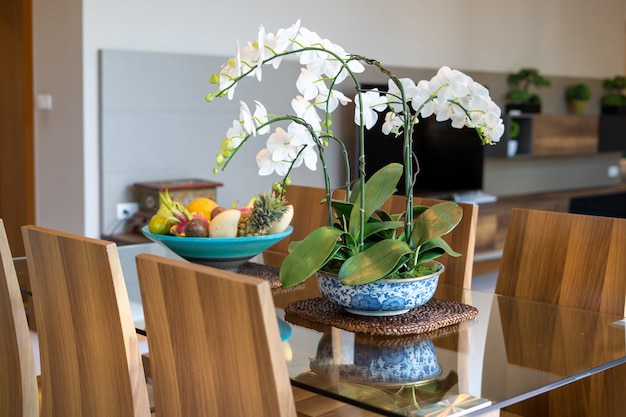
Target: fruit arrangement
(203, 217)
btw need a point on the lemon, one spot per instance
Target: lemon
(202, 205)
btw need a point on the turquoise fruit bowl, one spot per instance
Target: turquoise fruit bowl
(220, 252)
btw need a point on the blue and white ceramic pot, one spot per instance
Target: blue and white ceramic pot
(408, 363)
(385, 297)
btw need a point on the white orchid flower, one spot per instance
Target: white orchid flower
(308, 38)
(267, 165)
(284, 37)
(394, 96)
(307, 84)
(421, 99)
(307, 112)
(279, 154)
(303, 141)
(260, 118)
(279, 144)
(279, 43)
(449, 95)
(236, 134)
(230, 71)
(245, 115)
(260, 46)
(329, 100)
(393, 123)
(373, 102)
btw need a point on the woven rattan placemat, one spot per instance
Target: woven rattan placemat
(266, 272)
(431, 316)
(269, 273)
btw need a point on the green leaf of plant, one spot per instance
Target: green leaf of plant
(378, 189)
(384, 216)
(429, 255)
(433, 249)
(356, 189)
(342, 208)
(438, 242)
(436, 221)
(374, 263)
(310, 255)
(419, 209)
(373, 228)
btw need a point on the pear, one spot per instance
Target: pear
(285, 220)
(225, 224)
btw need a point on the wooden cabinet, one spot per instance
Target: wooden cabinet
(551, 135)
(564, 134)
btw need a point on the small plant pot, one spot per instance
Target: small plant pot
(576, 106)
(385, 297)
(512, 147)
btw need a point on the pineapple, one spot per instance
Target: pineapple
(264, 211)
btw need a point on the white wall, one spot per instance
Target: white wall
(560, 37)
(59, 159)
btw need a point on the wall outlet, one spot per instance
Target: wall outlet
(126, 210)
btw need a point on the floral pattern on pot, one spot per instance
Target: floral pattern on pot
(385, 297)
(409, 363)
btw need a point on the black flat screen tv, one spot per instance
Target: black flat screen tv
(450, 160)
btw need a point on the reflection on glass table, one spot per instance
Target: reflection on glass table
(514, 349)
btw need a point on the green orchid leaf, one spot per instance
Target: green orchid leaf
(378, 189)
(436, 221)
(377, 261)
(373, 228)
(356, 190)
(310, 255)
(419, 209)
(384, 216)
(433, 249)
(429, 255)
(342, 208)
(438, 242)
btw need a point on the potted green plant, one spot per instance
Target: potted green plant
(577, 96)
(614, 99)
(361, 243)
(520, 96)
(513, 144)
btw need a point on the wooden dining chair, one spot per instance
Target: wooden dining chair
(576, 261)
(19, 394)
(215, 347)
(90, 362)
(310, 214)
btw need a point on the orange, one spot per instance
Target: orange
(203, 206)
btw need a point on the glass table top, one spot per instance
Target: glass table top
(514, 349)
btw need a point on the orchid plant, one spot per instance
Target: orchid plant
(361, 242)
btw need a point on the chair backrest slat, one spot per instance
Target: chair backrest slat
(18, 380)
(568, 259)
(90, 358)
(215, 348)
